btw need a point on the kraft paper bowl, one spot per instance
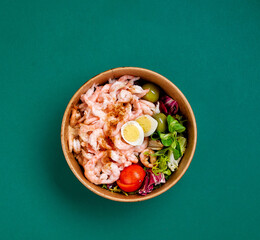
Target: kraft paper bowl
(171, 90)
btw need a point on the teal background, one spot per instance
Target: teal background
(209, 49)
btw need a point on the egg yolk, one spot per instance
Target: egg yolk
(131, 133)
(145, 123)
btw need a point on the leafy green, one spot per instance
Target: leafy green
(161, 152)
(172, 164)
(180, 119)
(167, 177)
(173, 145)
(116, 189)
(124, 192)
(161, 165)
(183, 142)
(104, 186)
(166, 139)
(174, 125)
(155, 136)
(167, 172)
(177, 151)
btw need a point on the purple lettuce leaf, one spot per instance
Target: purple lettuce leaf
(168, 106)
(150, 181)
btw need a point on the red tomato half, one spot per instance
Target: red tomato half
(131, 178)
(128, 187)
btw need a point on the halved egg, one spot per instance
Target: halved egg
(132, 133)
(148, 123)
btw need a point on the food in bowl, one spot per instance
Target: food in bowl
(127, 135)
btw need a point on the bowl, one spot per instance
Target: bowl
(169, 89)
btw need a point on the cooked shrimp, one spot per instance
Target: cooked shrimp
(90, 128)
(80, 159)
(140, 95)
(131, 157)
(84, 158)
(87, 112)
(136, 89)
(72, 132)
(116, 86)
(81, 119)
(106, 88)
(137, 109)
(83, 107)
(105, 160)
(145, 156)
(143, 146)
(119, 143)
(75, 115)
(124, 96)
(146, 110)
(94, 97)
(103, 143)
(107, 101)
(157, 108)
(147, 103)
(89, 92)
(132, 80)
(90, 120)
(90, 149)
(110, 173)
(96, 109)
(125, 119)
(87, 156)
(93, 138)
(92, 169)
(115, 155)
(126, 77)
(84, 137)
(76, 146)
(124, 165)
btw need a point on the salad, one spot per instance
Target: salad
(127, 135)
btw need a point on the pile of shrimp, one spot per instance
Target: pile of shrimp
(95, 128)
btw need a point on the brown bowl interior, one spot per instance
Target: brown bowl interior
(169, 89)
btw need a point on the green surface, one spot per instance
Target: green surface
(209, 49)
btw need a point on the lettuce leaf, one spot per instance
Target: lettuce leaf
(172, 163)
(161, 165)
(166, 139)
(174, 125)
(150, 181)
(183, 143)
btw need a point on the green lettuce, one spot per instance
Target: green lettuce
(174, 125)
(161, 165)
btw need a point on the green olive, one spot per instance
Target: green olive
(153, 94)
(162, 122)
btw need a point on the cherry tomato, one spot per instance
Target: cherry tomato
(131, 178)
(128, 187)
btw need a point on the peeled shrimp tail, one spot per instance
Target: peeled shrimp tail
(110, 173)
(144, 145)
(120, 144)
(93, 169)
(145, 156)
